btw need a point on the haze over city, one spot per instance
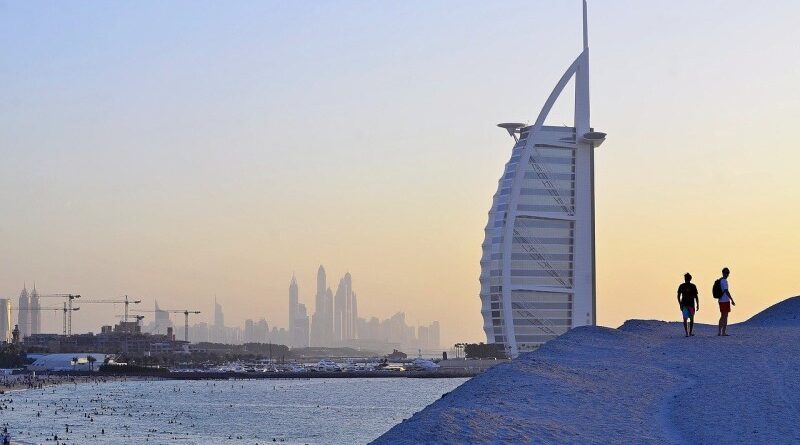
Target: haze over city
(185, 150)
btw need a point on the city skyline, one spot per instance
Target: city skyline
(295, 333)
(237, 158)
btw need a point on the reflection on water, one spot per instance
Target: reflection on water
(319, 411)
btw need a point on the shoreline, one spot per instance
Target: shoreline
(448, 374)
(23, 382)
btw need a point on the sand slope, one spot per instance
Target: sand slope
(642, 383)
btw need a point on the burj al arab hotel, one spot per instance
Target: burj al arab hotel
(538, 264)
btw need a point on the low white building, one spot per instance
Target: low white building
(67, 362)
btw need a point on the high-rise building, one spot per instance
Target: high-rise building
(344, 316)
(219, 333)
(347, 319)
(354, 317)
(262, 331)
(301, 332)
(434, 336)
(35, 312)
(338, 311)
(24, 313)
(249, 331)
(329, 315)
(6, 326)
(219, 316)
(320, 329)
(161, 320)
(293, 302)
(538, 264)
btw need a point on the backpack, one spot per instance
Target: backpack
(716, 291)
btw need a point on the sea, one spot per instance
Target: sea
(263, 411)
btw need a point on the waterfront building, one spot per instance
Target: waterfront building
(70, 362)
(6, 322)
(24, 313)
(538, 264)
(125, 337)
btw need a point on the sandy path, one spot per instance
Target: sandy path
(644, 383)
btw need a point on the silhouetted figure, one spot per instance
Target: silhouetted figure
(722, 292)
(688, 302)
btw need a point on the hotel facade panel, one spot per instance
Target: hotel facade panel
(538, 267)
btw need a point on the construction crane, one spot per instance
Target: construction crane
(126, 302)
(68, 309)
(185, 313)
(137, 317)
(53, 308)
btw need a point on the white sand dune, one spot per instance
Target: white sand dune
(644, 383)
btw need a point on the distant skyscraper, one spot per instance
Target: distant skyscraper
(339, 305)
(293, 302)
(6, 326)
(249, 331)
(161, 321)
(36, 312)
(329, 315)
(320, 329)
(301, 332)
(219, 316)
(537, 269)
(354, 318)
(347, 317)
(434, 336)
(345, 310)
(24, 314)
(219, 333)
(262, 331)
(321, 280)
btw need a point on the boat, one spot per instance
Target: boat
(326, 365)
(421, 364)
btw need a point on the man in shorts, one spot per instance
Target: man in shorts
(688, 302)
(725, 302)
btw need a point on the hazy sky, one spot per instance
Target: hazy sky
(177, 150)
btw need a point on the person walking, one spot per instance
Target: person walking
(722, 291)
(689, 302)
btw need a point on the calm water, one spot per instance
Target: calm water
(318, 411)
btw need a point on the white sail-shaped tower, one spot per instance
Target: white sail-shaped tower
(538, 264)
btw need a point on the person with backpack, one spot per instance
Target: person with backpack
(688, 302)
(723, 294)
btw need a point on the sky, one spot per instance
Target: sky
(181, 150)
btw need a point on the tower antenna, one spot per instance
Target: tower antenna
(585, 28)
